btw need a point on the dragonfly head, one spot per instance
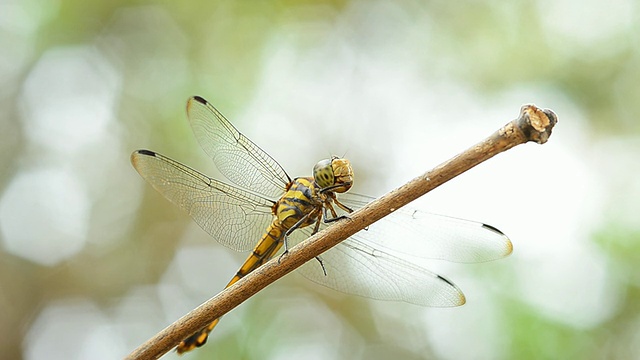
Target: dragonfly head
(333, 174)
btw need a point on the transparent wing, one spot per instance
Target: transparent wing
(236, 157)
(387, 261)
(234, 217)
(354, 267)
(421, 235)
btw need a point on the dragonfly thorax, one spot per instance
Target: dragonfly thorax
(333, 174)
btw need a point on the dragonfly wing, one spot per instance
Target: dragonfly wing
(387, 261)
(353, 267)
(415, 234)
(232, 216)
(236, 157)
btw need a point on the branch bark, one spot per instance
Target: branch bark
(533, 124)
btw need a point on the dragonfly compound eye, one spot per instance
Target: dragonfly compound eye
(342, 173)
(323, 173)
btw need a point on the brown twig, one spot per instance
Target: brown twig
(533, 124)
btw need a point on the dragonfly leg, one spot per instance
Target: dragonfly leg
(341, 205)
(300, 223)
(334, 215)
(286, 249)
(330, 220)
(324, 270)
(315, 230)
(347, 209)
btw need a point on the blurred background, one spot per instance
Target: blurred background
(93, 261)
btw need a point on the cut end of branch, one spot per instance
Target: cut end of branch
(535, 123)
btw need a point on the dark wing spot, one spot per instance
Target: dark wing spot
(146, 152)
(200, 100)
(446, 280)
(489, 227)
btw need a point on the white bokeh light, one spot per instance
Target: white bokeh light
(586, 23)
(44, 215)
(69, 99)
(73, 329)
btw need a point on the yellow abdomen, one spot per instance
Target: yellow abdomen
(299, 201)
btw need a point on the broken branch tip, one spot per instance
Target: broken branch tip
(536, 123)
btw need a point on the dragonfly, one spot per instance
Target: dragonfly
(261, 209)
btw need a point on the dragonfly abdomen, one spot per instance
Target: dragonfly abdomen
(300, 206)
(268, 246)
